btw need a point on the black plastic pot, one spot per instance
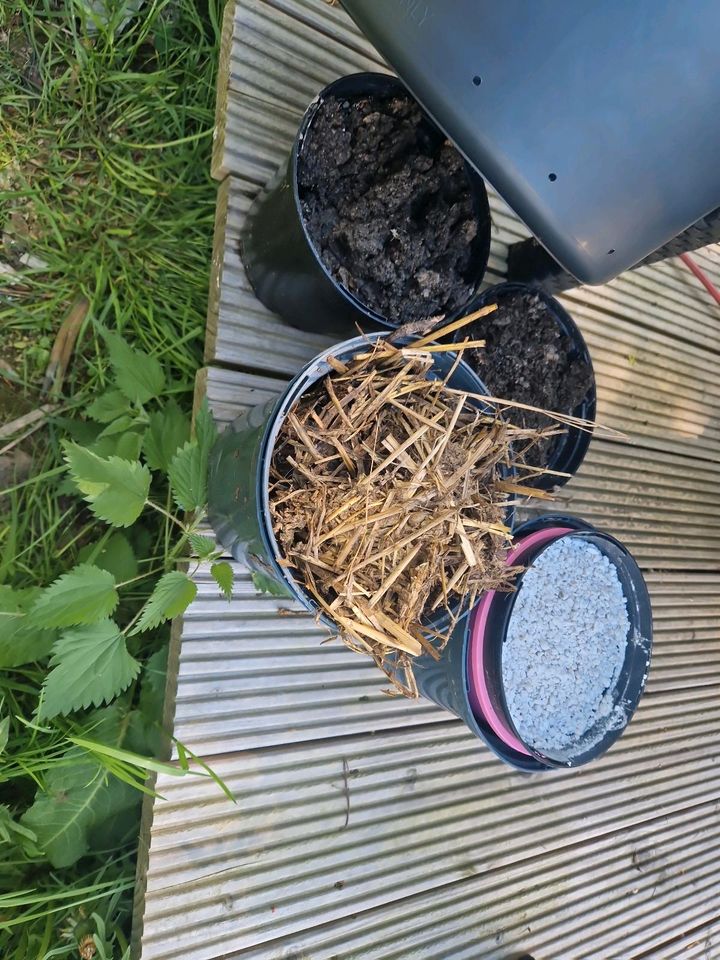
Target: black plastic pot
(570, 448)
(447, 681)
(282, 264)
(631, 682)
(238, 484)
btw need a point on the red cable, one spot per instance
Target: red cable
(702, 277)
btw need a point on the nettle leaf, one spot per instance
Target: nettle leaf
(20, 640)
(173, 594)
(79, 795)
(121, 425)
(188, 477)
(202, 547)
(189, 468)
(83, 595)
(126, 445)
(168, 430)
(204, 429)
(116, 556)
(115, 488)
(145, 733)
(108, 406)
(264, 583)
(81, 431)
(152, 688)
(90, 666)
(137, 374)
(222, 574)
(13, 832)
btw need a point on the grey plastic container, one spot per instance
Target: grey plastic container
(592, 120)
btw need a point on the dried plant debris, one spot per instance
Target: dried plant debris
(389, 494)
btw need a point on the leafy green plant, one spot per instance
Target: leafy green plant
(105, 195)
(82, 612)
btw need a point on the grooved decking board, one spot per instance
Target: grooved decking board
(428, 808)
(629, 890)
(446, 854)
(701, 943)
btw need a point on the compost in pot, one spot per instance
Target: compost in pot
(528, 358)
(388, 205)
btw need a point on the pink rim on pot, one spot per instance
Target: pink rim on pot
(478, 691)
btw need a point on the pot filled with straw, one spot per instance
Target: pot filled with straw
(377, 490)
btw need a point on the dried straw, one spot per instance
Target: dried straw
(388, 501)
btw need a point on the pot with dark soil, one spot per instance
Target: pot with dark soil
(535, 354)
(376, 219)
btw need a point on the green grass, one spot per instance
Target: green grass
(105, 142)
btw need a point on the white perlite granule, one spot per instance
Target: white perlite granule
(565, 645)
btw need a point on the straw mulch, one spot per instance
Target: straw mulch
(388, 501)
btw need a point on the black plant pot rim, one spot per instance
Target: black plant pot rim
(305, 379)
(633, 677)
(570, 453)
(378, 81)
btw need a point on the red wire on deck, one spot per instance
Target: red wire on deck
(702, 276)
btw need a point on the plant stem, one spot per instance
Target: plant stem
(140, 576)
(132, 623)
(165, 513)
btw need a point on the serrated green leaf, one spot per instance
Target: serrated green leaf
(168, 430)
(122, 425)
(126, 446)
(189, 467)
(79, 796)
(152, 687)
(90, 666)
(83, 595)
(81, 431)
(264, 583)
(188, 477)
(4, 732)
(202, 547)
(204, 429)
(13, 832)
(222, 574)
(21, 641)
(173, 594)
(116, 556)
(108, 406)
(137, 374)
(145, 734)
(116, 489)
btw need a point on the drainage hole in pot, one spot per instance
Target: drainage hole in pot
(552, 177)
(565, 649)
(611, 251)
(477, 80)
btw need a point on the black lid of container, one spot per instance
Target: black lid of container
(595, 121)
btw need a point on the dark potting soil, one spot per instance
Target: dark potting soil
(528, 359)
(387, 203)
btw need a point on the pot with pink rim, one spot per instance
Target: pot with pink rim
(468, 680)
